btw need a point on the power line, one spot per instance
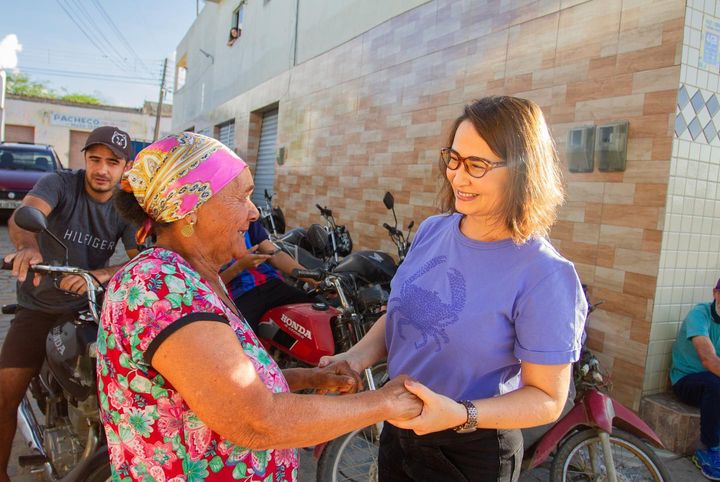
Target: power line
(91, 76)
(99, 34)
(119, 33)
(81, 64)
(68, 53)
(85, 33)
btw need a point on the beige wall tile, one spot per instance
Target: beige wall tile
(586, 233)
(621, 236)
(611, 279)
(619, 193)
(634, 261)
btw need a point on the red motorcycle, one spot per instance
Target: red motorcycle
(357, 289)
(596, 439)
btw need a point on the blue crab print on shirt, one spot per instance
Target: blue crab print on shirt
(424, 310)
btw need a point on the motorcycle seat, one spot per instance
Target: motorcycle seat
(293, 236)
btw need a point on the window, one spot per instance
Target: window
(236, 24)
(26, 160)
(181, 73)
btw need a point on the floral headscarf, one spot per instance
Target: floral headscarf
(174, 176)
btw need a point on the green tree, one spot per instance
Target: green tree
(21, 84)
(81, 98)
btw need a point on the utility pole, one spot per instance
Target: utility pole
(2, 104)
(160, 102)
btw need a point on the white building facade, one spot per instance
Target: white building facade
(66, 125)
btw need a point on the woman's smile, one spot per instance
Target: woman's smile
(465, 196)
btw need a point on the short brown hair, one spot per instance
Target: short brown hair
(516, 131)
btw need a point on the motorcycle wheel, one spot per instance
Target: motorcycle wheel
(634, 459)
(353, 456)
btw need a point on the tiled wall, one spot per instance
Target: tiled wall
(690, 255)
(371, 114)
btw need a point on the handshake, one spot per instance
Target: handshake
(406, 403)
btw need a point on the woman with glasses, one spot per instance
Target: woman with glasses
(484, 314)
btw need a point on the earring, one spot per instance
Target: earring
(188, 230)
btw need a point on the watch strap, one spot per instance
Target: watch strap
(471, 424)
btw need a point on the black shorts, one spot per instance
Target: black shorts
(275, 292)
(24, 345)
(482, 455)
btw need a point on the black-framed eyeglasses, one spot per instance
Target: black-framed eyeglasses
(477, 167)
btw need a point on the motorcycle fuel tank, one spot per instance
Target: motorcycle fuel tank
(67, 356)
(371, 266)
(301, 330)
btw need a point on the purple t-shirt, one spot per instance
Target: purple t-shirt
(463, 313)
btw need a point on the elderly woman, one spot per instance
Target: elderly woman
(187, 392)
(483, 313)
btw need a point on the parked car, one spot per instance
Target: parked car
(21, 165)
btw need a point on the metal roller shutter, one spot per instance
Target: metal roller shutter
(265, 167)
(15, 133)
(226, 134)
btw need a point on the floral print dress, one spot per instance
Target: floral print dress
(152, 434)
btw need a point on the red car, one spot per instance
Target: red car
(21, 165)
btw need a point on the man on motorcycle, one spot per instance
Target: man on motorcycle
(695, 376)
(254, 282)
(77, 204)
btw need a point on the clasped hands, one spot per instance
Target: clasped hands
(410, 404)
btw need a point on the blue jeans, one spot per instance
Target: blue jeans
(703, 390)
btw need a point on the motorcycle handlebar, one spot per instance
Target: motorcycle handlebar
(306, 273)
(6, 265)
(324, 211)
(393, 231)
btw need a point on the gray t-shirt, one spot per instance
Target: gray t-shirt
(89, 229)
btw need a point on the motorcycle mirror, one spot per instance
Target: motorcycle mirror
(317, 237)
(31, 219)
(389, 200)
(410, 226)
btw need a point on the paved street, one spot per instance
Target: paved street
(681, 468)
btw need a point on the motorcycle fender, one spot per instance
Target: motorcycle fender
(595, 410)
(626, 419)
(604, 412)
(574, 418)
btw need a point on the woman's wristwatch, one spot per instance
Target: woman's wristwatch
(472, 413)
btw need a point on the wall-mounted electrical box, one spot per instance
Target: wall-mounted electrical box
(611, 146)
(280, 158)
(580, 148)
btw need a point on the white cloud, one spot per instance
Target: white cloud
(9, 47)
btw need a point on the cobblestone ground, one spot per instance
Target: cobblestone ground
(681, 468)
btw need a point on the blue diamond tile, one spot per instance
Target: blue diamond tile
(695, 128)
(683, 97)
(710, 131)
(713, 105)
(680, 125)
(697, 101)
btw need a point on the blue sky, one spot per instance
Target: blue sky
(57, 52)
